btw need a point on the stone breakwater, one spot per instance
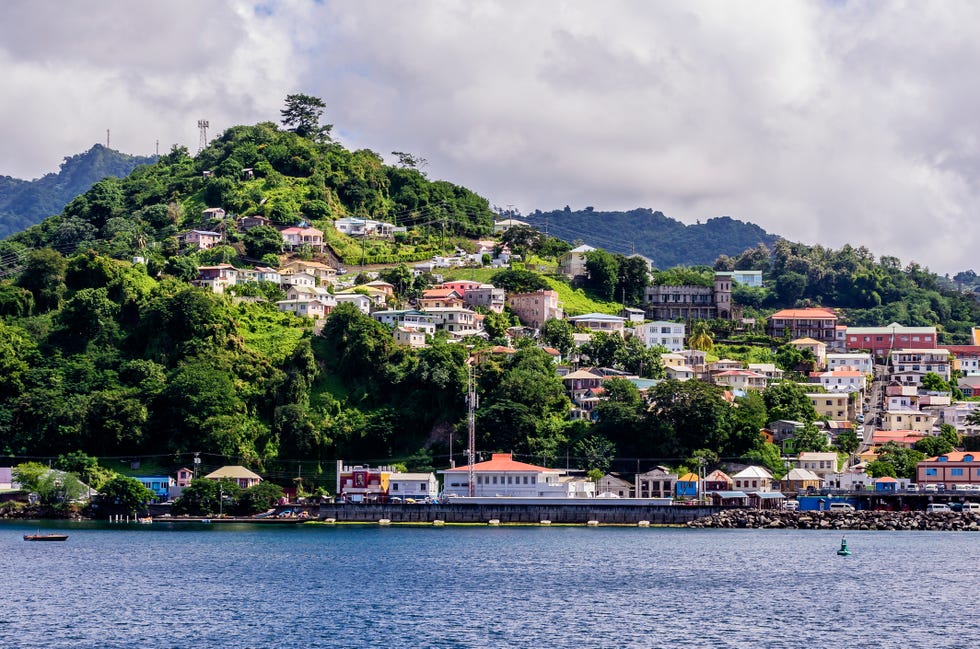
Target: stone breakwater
(823, 520)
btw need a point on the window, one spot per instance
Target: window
(495, 479)
(534, 479)
(957, 473)
(394, 487)
(931, 471)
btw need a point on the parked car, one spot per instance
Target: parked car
(791, 505)
(938, 507)
(841, 507)
(930, 488)
(972, 508)
(911, 487)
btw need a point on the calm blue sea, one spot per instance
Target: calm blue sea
(365, 586)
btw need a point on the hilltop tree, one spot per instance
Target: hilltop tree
(302, 114)
(603, 273)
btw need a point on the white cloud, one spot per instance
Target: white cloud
(824, 122)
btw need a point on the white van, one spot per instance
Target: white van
(973, 508)
(841, 507)
(938, 507)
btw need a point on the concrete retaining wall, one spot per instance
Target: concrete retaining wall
(530, 514)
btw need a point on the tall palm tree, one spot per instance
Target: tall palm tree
(700, 337)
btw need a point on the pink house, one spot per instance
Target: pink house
(534, 308)
(296, 237)
(201, 239)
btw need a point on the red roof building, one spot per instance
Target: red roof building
(817, 323)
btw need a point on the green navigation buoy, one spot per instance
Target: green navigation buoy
(843, 548)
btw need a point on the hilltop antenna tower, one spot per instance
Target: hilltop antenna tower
(202, 127)
(472, 402)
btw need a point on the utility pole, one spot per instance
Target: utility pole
(472, 404)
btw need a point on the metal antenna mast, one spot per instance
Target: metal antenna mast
(472, 401)
(202, 127)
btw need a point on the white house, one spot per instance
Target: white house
(753, 478)
(599, 322)
(860, 361)
(572, 263)
(661, 333)
(840, 380)
(362, 302)
(418, 486)
(507, 224)
(504, 476)
(822, 464)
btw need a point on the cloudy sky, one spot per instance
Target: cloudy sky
(825, 122)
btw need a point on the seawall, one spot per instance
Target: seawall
(571, 513)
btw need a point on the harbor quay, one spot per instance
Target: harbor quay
(563, 512)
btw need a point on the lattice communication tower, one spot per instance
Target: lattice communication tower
(202, 127)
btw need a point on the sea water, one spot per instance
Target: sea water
(368, 586)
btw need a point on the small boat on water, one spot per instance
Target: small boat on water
(45, 537)
(146, 520)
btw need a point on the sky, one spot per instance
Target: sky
(824, 122)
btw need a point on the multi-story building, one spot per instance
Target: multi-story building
(691, 302)
(487, 296)
(840, 380)
(951, 469)
(835, 407)
(456, 320)
(860, 361)
(201, 239)
(670, 335)
(881, 341)
(410, 318)
(216, 278)
(533, 309)
(362, 483)
(297, 237)
(818, 324)
(656, 483)
(914, 420)
(966, 358)
(572, 263)
(909, 366)
(417, 486)
(504, 476)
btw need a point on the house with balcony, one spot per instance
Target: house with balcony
(816, 323)
(216, 278)
(909, 366)
(772, 373)
(860, 361)
(487, 296)
(846, 381)
(305, 307)
(533, 309)
(296, 238)
(656, 483)
(611, 324)
(670, 335)
(440, 298)
(740, 380)
(965, 358)
(201, 239)
(323, 273)
(456, 320)
(821, 463)
(409, 318)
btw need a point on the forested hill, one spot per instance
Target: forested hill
(666, 241)
(24, 203)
